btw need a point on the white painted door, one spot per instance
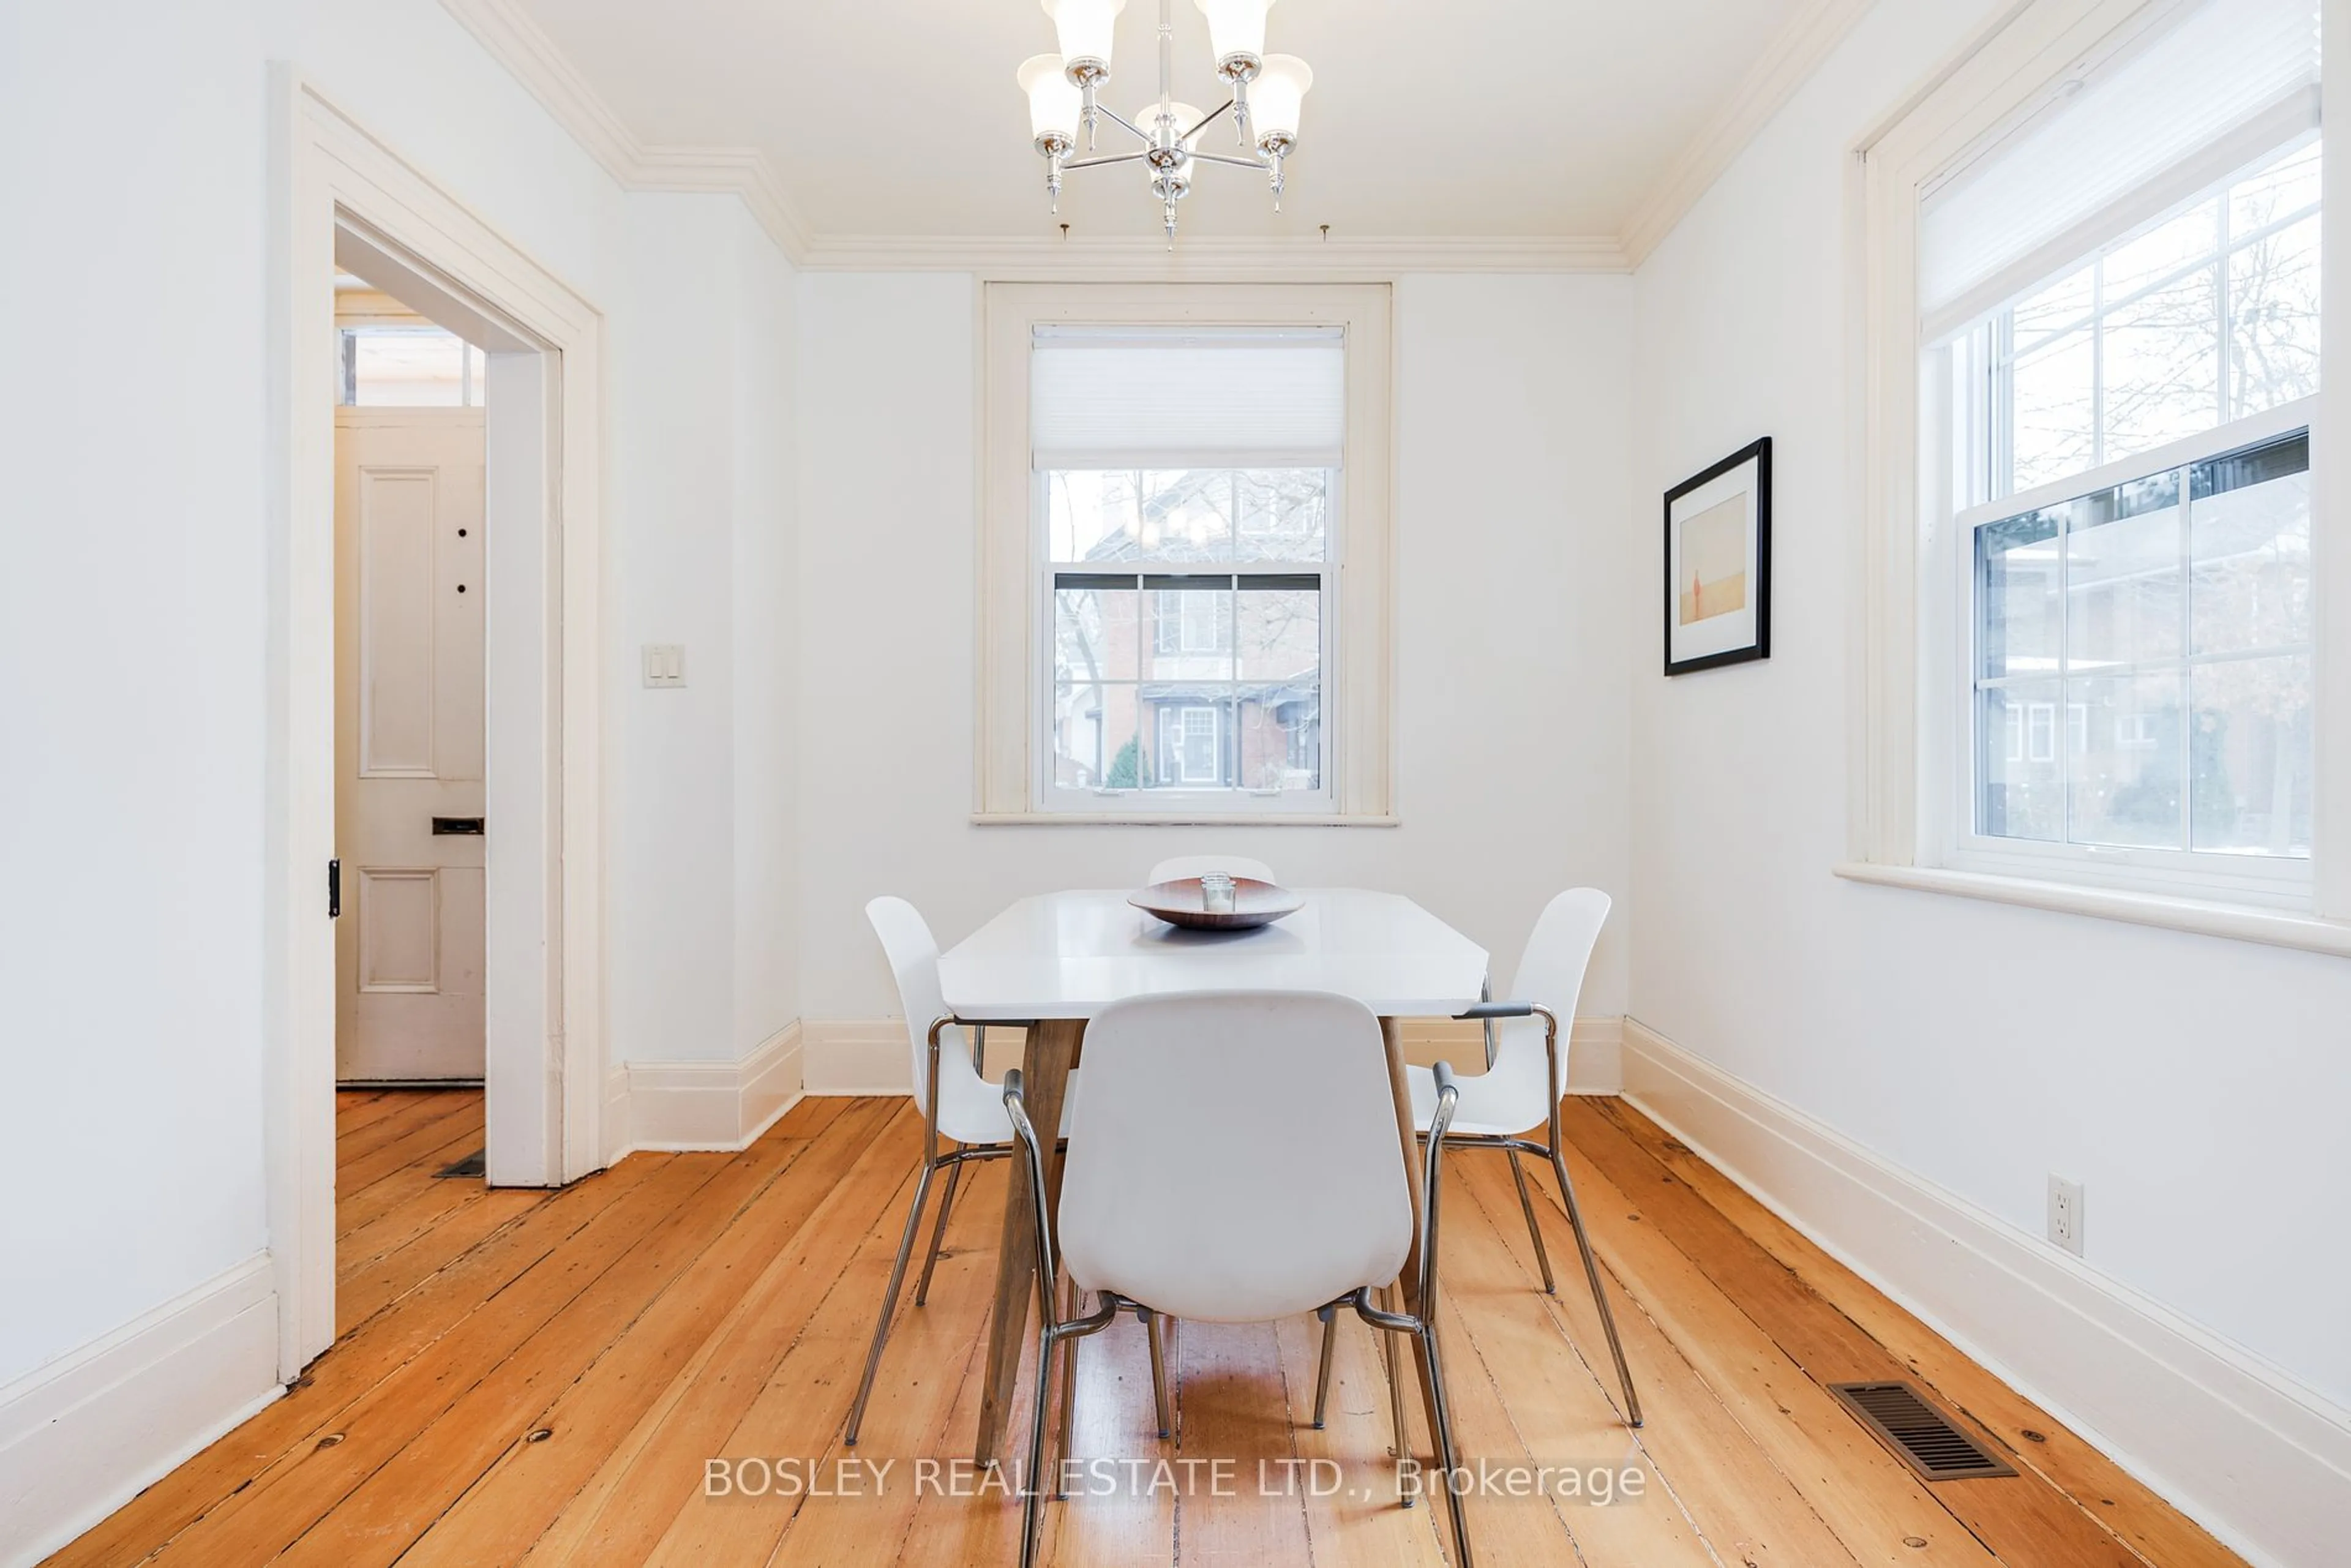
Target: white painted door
(408, 742)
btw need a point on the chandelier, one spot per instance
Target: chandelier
(1065, 96)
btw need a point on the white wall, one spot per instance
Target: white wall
(130, 828)
(2196, 1086)
(699, 923)
(765, 581)
(1512, 424)
(672, 909)
(134, 152)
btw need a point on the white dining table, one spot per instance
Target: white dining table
(1052, 961)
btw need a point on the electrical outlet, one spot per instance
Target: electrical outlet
(2066, 1213)
(665, 664)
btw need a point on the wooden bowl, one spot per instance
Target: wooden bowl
(1181, 903)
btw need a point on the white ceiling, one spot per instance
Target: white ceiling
(1428, 119)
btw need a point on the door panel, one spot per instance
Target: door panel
(396, 603)
(400, 930)
(408, 741)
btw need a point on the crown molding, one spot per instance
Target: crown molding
(547, 73)
(1210, 258)
(745, 170)
(518, 43)
(1792, 54)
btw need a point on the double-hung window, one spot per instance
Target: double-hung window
(1188, 535)
(2120, 312)
(1190, 623)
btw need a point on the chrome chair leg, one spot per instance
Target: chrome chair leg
(1396, 1385)
(1330, 1316)
(1526, 1206)
(1155, 1330)
(889, 1302)
(1068, 1390)
(1591, 1273)
(1423, 1330)
(1032, 1484)
(939, 1234)
(1054, 1336)
(1441, 1418)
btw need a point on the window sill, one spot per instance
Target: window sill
(2242, 923)
(1176, 820)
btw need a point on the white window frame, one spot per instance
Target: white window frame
(2251, 879)
(1013, 733)
(1903, 767)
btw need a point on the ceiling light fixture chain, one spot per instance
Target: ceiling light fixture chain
(1064, 93)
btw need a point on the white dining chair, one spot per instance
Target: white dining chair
(1526, 1076)
(1235, 1159)
(1179, 867)
(958, 1106)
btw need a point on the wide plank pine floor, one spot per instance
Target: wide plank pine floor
(540, 1377)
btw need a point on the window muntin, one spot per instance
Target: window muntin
(2167, 617)
(2204, 317)
(1191, 621)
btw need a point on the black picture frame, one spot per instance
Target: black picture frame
(1759, 452)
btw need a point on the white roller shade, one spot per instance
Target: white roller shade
(1124, 397)
(2157, 121)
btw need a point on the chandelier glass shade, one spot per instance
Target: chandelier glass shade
(1065, 105)
(1235, 32)
(1082, 30)
(1056, 104)
(1277, 96)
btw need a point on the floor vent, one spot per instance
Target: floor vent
(472, 1165)
(1921, 1437)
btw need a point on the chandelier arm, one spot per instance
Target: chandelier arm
(1260, 164)
(1098, 163)
(1114, 116)
(1205, 120)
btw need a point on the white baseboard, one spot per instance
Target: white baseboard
(2258, 1459)
(693, 1107)
(870, 1056)
(615, 1123)
(83, 1435)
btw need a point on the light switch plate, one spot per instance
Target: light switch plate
(664, 663)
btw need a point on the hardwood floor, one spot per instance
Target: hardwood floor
(541, 1378)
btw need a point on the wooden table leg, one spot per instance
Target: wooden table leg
(1045, 1062)
(1408, 1286)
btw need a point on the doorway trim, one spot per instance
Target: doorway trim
(343, 198)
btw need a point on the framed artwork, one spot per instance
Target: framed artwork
(1719, 563)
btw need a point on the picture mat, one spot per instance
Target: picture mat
(1725, 633)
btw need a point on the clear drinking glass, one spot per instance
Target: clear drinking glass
(1217, 893)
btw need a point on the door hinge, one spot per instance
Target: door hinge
(334, 889)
